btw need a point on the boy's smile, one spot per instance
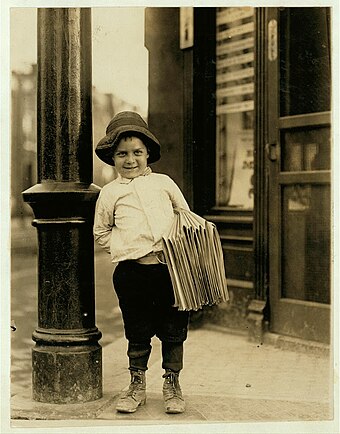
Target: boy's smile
(130, 157)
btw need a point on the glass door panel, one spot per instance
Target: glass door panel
(306, 149)
(305, 273)
(304, 60)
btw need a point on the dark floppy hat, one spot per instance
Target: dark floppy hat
(121, 124)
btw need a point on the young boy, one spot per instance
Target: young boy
(133, 212)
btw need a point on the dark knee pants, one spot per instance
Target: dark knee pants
(146, 300)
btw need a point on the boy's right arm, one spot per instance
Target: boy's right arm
(103, 222)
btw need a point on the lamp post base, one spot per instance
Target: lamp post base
(65, 375)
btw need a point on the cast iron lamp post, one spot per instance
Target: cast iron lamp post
(67, 358)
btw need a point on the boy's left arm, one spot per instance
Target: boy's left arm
(177, 198)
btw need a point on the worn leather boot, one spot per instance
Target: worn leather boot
(135, 395)
(172, 394)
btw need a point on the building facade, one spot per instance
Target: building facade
(240, 99)
(24, 136)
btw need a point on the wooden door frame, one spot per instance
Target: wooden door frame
(297, 318)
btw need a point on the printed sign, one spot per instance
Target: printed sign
(243, 89)
(235, 107)
(235, 31)
(272, 40)
(228, 47)
(236, 60)
(233, 14)
(237, 75)
(186, 18)
(241, 187)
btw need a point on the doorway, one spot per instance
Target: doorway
(299, 160)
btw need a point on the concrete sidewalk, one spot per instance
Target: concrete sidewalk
(225, 379)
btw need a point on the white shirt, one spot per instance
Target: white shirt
(132, 215)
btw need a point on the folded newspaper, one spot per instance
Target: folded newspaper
(194, 257)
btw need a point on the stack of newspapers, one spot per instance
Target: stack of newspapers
(194, 257)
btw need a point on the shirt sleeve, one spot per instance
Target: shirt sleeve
(177, 197)
(103, 221)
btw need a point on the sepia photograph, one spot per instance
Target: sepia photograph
(169, 218)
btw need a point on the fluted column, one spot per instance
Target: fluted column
(258, 309)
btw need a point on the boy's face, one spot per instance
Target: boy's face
(130, 157)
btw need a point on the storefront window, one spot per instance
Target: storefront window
(235, 107)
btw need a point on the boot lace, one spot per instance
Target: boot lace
(172, 388)
(135, 386)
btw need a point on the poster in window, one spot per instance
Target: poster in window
(243, 169)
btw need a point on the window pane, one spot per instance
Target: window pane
(304, 60)
(235, 106)
(306, 242)
(306, 150)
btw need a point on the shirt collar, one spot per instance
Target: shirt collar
(123, 180)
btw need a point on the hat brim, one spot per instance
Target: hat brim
(107, 145)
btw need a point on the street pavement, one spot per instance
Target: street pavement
(226, 380)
